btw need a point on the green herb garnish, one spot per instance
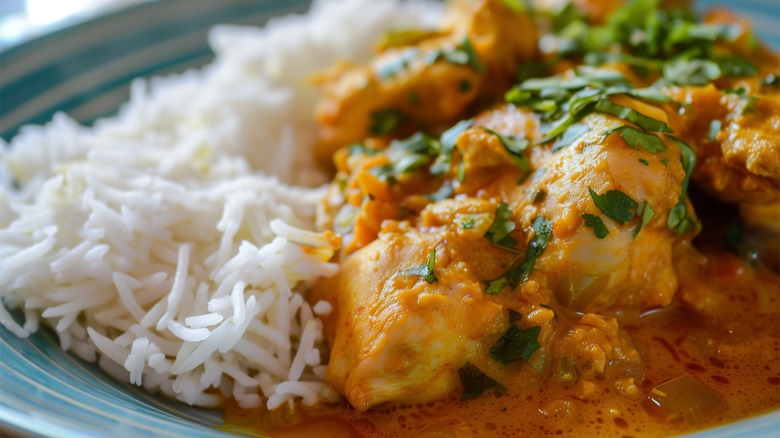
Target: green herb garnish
(515, 146)
(715, 126)
(645, 213)
(679, 219)
(384, 121)
(462, 54)
(516, 344)
(475, 382)
(570, 135)
(595, 222)
(631, 115)
(615, 204)
(637, 139)
(426, 270)
(499, 232)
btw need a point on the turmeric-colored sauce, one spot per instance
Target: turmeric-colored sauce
(735, 353)
(591, 252)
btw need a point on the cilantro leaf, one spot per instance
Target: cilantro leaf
(406, 37)
(494, 286)
(645, 213)
(715, 126)
(644, 162)
(467, 223)
(679, 220)
(448, 140)
(499, 231)
(682, 71)
(631, 115)
(516, 344)
(425, 271)
(543, 232)
(615, 204)
(514, 146)
(637, 139)
(734, 66)
(771, 80)
(595, 222)
(384, 121)
(390, 66)
(462, 54)
(571, 135)
(475, 382)
(514, 5)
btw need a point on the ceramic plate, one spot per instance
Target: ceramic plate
(85, 70)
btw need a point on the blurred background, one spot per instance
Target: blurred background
(23, 19)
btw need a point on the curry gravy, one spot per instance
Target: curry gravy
(734, 351)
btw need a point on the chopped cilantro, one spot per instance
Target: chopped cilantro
(392, 65)
(499, 232)
(735, 66)
(679, 220)
(447, 141)
(360, 149)
(570, 135)
(516, 344)
(462, 54)
(406, 37)
(771, 80)
(515, 146)
(615, 204)
(467, 223)
(645, 213)
(543, 232)
(682, 71)
(445, 191)
(714, 130)
(475, 382)
(746, 101)
(384, 121)
(665, 162)
(644, 162)
(631, 115)
(514, 316)
(425, 271)
(595, 222)
(494, 286)
(637, 139)
(514, 5)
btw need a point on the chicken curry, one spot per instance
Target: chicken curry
(559, 219)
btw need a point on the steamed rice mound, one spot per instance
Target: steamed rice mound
(167, 243)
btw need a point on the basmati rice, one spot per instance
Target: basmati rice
(164, 243)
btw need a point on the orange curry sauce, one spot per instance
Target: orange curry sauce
(735, 352)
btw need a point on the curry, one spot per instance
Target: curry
(555, 221)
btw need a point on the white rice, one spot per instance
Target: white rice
(164, 243)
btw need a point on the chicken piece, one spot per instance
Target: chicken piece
(430, 79)
(633, 269)
(398, 337)
(395, 335)
(736, 136)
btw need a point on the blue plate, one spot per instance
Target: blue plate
(85, 70)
